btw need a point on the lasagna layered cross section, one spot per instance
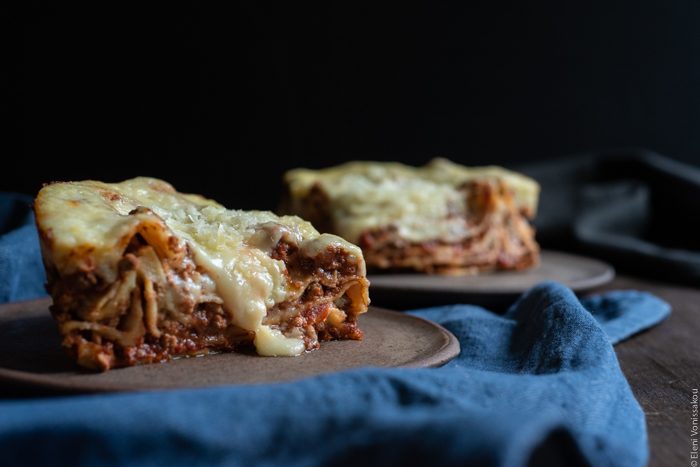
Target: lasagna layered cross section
(140, 273)
(439, 218)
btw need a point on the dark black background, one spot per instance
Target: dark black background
(241, 95)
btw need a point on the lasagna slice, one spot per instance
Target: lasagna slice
(140, 273)
(440, 218)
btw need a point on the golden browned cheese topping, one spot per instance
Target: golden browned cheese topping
(87, 226)
(423, 203)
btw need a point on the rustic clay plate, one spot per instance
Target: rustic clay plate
(402, 291)
(31, 355)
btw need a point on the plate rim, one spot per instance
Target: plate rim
(61, 385)
(579, 285)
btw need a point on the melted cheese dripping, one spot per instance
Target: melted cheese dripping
(235, 251)
(232, 246)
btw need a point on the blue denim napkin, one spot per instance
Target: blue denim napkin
(22, 274)
(540, 385)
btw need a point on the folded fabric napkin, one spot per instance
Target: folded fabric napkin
(22, 274)
(540, 385)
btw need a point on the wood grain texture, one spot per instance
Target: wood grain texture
(662, 365)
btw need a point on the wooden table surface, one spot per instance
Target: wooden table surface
(662, 365)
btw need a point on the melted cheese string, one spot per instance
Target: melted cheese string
(94, 221)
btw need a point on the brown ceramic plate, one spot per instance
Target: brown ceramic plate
(31, 355)
(402, 291)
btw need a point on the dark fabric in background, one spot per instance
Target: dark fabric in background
(633, 208)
